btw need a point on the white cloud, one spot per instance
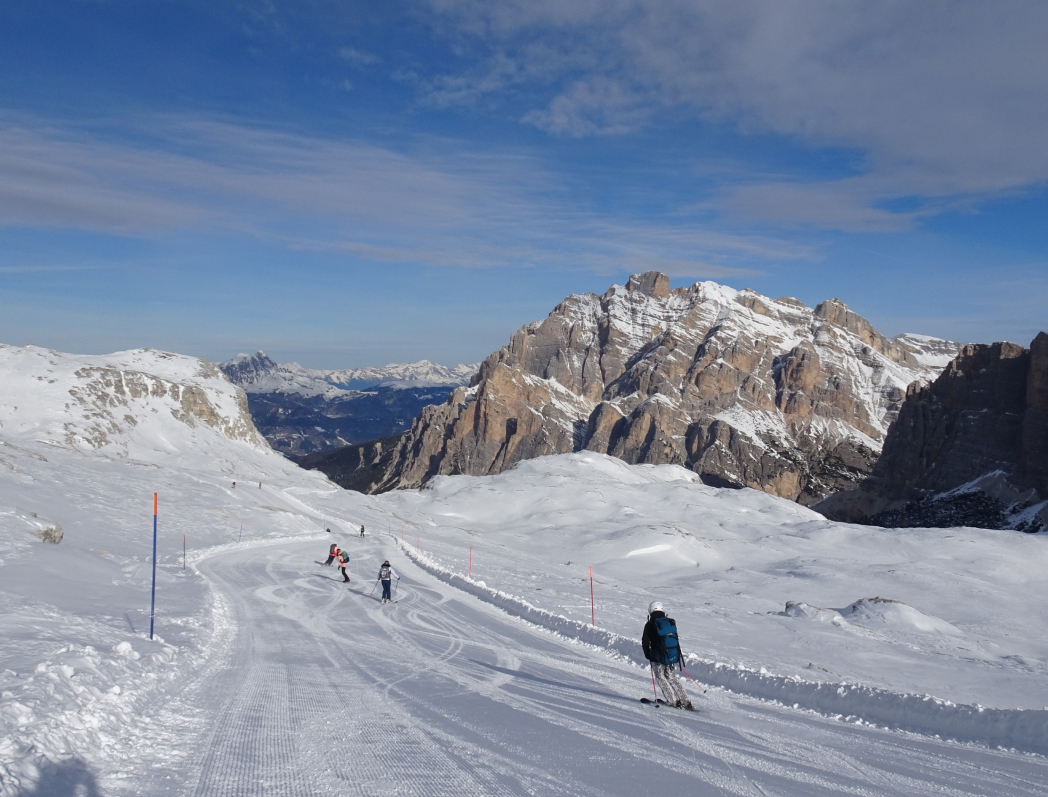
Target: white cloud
(942, 100)
(357, 57)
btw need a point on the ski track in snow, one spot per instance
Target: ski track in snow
(1023, 729)
(269, 677)
(318, 689)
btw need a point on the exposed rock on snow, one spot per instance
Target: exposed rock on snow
(969, 449)
(14, 520)
(98, 402)
(740, 388)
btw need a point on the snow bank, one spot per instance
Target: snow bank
(1018, 729)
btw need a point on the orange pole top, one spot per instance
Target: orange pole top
(154, 503)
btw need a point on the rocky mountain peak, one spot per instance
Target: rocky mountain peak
(249, 369)
(651, 283)
(743, 389)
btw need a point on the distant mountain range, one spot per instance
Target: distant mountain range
(303, 411)
(257, 373)
(743, 389)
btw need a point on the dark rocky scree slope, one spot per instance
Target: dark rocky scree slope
(969, 449)
(742, 389)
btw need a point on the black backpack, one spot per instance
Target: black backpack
(383, 572)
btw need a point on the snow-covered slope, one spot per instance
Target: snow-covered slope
(141, 404)
(85, 442)
(257, 373)
(942, 612)
(264, 663)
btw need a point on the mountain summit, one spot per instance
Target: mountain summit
(742, 389)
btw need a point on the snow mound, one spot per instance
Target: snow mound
(884, 612)
(816, 613)
(896, 614)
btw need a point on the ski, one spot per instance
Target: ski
(650, 702)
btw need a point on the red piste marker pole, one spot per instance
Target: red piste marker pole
(469, 573)
(152, 599)
(593, 609)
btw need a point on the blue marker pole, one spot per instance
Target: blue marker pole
(152, 602)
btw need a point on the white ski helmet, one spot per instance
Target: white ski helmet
(655, 606)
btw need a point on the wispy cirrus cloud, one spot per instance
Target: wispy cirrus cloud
(434, 205)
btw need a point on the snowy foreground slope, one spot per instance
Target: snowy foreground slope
(269, 676)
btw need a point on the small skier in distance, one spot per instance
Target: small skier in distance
(662, 650)
(343, 560)
(362, 531)
(333, 551)
(386, 574)
(234, 484)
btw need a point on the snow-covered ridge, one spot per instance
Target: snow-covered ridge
(138, 404)
(257, 373)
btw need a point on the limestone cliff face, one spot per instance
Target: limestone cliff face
(743, 389)
(980, 426)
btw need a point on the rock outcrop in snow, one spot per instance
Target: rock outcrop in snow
(969, 449)
(134, 404)
(740, 388)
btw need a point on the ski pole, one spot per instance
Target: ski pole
(374, 588)
(395, 587)
(692, 679)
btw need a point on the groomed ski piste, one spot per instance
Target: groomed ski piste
(908, 662)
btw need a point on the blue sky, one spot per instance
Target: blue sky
(348, 184)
